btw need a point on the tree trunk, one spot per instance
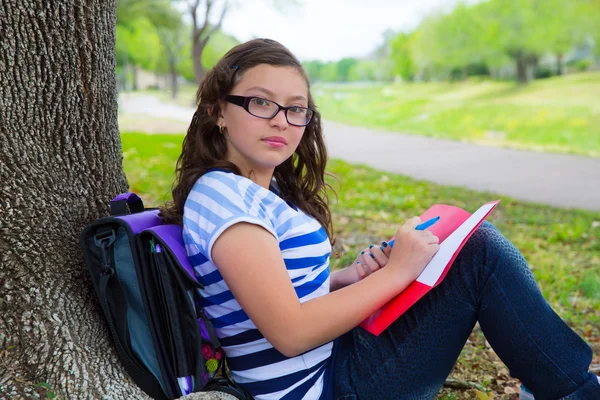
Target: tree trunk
(134, 73)
(173, 69)
(197, 49)
(60, 162)
(560, 64)
(522, 76)
(525, 65)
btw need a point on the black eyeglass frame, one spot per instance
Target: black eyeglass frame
(244, 102)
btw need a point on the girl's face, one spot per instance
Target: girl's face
(262, 144)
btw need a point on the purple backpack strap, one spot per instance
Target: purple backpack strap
(142, 220)
(118, 205)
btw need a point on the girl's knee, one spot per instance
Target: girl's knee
(487, 245)
(487, 238)
(491, 249)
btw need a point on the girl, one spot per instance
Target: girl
(250, 194)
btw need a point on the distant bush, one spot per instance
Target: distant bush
(543, 72)
(583, 65)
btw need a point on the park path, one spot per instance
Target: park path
(554, 179)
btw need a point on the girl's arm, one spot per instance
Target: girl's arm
(342, 278)
(249, 259)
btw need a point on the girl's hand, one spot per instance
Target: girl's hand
(413, 249)
(371, 259)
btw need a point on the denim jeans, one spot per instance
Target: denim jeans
(489, 282)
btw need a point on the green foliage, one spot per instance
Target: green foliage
(329, 72)
(139, 27)
(343, 68)
(350, 70)
(219, 44)
(313, 69)
(138, 43)
(493, 33)
(402, 58)
(151, 35)
(158, 12)
(49, 392)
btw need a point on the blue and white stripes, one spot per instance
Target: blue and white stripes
(217, 201)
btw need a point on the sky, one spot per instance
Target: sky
(328, 30)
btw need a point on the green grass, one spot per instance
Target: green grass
(561, 246)
(556, 115)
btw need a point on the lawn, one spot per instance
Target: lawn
(560, 114)
(561, 246)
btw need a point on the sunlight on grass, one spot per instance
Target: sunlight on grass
(560, 114)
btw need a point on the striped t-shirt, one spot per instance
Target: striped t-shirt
(218, 200)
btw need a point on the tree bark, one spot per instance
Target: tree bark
(60, 163)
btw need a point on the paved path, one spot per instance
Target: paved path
(558, 180)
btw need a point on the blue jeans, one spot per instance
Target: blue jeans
(489, 282)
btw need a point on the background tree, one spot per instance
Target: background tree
(143, 45)
(200, 12)
(139, 41)
(173, 41)
(401, 56)
(579, 20)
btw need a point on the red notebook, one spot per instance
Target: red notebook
(454, 228)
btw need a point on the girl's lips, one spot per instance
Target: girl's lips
(275, 141)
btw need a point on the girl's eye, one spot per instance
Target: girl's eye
(299, 110)
(260, 102)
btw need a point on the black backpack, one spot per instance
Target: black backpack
(149, 295)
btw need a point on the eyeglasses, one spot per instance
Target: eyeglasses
(267, 109)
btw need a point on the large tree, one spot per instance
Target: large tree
(60, 162)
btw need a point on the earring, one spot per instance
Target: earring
(221, 129)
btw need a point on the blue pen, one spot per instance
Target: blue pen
(420, 227)
(427, 224)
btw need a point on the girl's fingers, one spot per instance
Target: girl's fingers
(430, 237)
(369, 262)
(385, 248)
(433, 239)
(360, 270)
(413, 222)
(379, 256)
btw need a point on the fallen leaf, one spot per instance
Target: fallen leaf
(482, 396)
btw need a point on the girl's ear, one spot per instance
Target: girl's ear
(218, 109)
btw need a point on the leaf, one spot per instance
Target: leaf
(44, 385)
(482, 396)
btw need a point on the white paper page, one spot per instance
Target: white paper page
(434, 269)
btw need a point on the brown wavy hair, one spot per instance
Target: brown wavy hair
(300, 178)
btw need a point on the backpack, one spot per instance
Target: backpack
(149, 295)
